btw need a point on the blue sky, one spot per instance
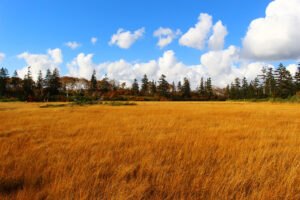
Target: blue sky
(34, 26)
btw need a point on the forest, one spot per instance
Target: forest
(269, 84)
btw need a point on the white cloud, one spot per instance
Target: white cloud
(292, 68)
(82, 66)
(42, 62)
(73, 45)
(222, 66)
(216, 41)
(275, 37)
(166, 36)
(94, 40)
(2, 56)
(196, 36)
(124, 39)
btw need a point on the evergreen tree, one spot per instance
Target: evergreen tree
(237, 84)
(202, 88)
(244, 88)
(153, 87)
(297, 79)
(186, 89)
(227, 91)
(284, 82)
(208, 87)
(28, 85)
(39, 85)
(16, 84)
(270, 83)
(256, 88)
(135, 87)
(3, 81)
(179, 86)
(93, 86)
(145, 87)
(55, 82)
(173, 87)
(47, 84)
(163, 86)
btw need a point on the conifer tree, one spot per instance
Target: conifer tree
(202, 88)
(163, 86)
(93, 86)
(297, 79)
(145, 87)
(244, 88)
(135, 87)
(186, 89)
(208, 87)
(39, 85)
(179, 86)
(153, 87)
(55, 82)
(3, 81)
(284, 82)
(28, 84)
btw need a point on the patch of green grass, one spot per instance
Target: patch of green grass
(120, 103)
(53, 105)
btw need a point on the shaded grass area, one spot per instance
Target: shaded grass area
(108, 103)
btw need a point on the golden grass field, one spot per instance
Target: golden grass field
(155, 150)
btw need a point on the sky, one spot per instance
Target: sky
(126, 39)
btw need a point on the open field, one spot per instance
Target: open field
(154, 150)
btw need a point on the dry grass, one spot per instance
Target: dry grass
(150, 151)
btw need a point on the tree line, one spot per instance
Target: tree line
(51, 87)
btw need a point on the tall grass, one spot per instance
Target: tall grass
(162, 150)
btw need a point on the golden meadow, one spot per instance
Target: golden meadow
(152, 150)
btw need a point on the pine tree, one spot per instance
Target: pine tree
(202, 88)
(297, 79)
(47, 84)
(163, 86)
(28, 85)
(135, 87)
(270, 83)
(153, 87)
(186, 89)
(227, 91)
(208, 87)
(173, 87)
(179, 86)
(256, 87)
(284, 82)
(145, 87)
(237, 84)
(55, 82)
(244, 88)
(3, 81)
(93, 86)
(39, 85)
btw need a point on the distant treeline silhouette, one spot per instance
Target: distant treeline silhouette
(270, 83)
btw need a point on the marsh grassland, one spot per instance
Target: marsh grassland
(153, 150)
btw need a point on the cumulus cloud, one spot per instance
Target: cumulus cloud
(216, 41)
(292, 68)
(94, 40)
(82, 66)
(166, 36)
(276, 36)
(73, 45)
(196, 36)
(2, 56)
(42, 62)
(124, 39)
